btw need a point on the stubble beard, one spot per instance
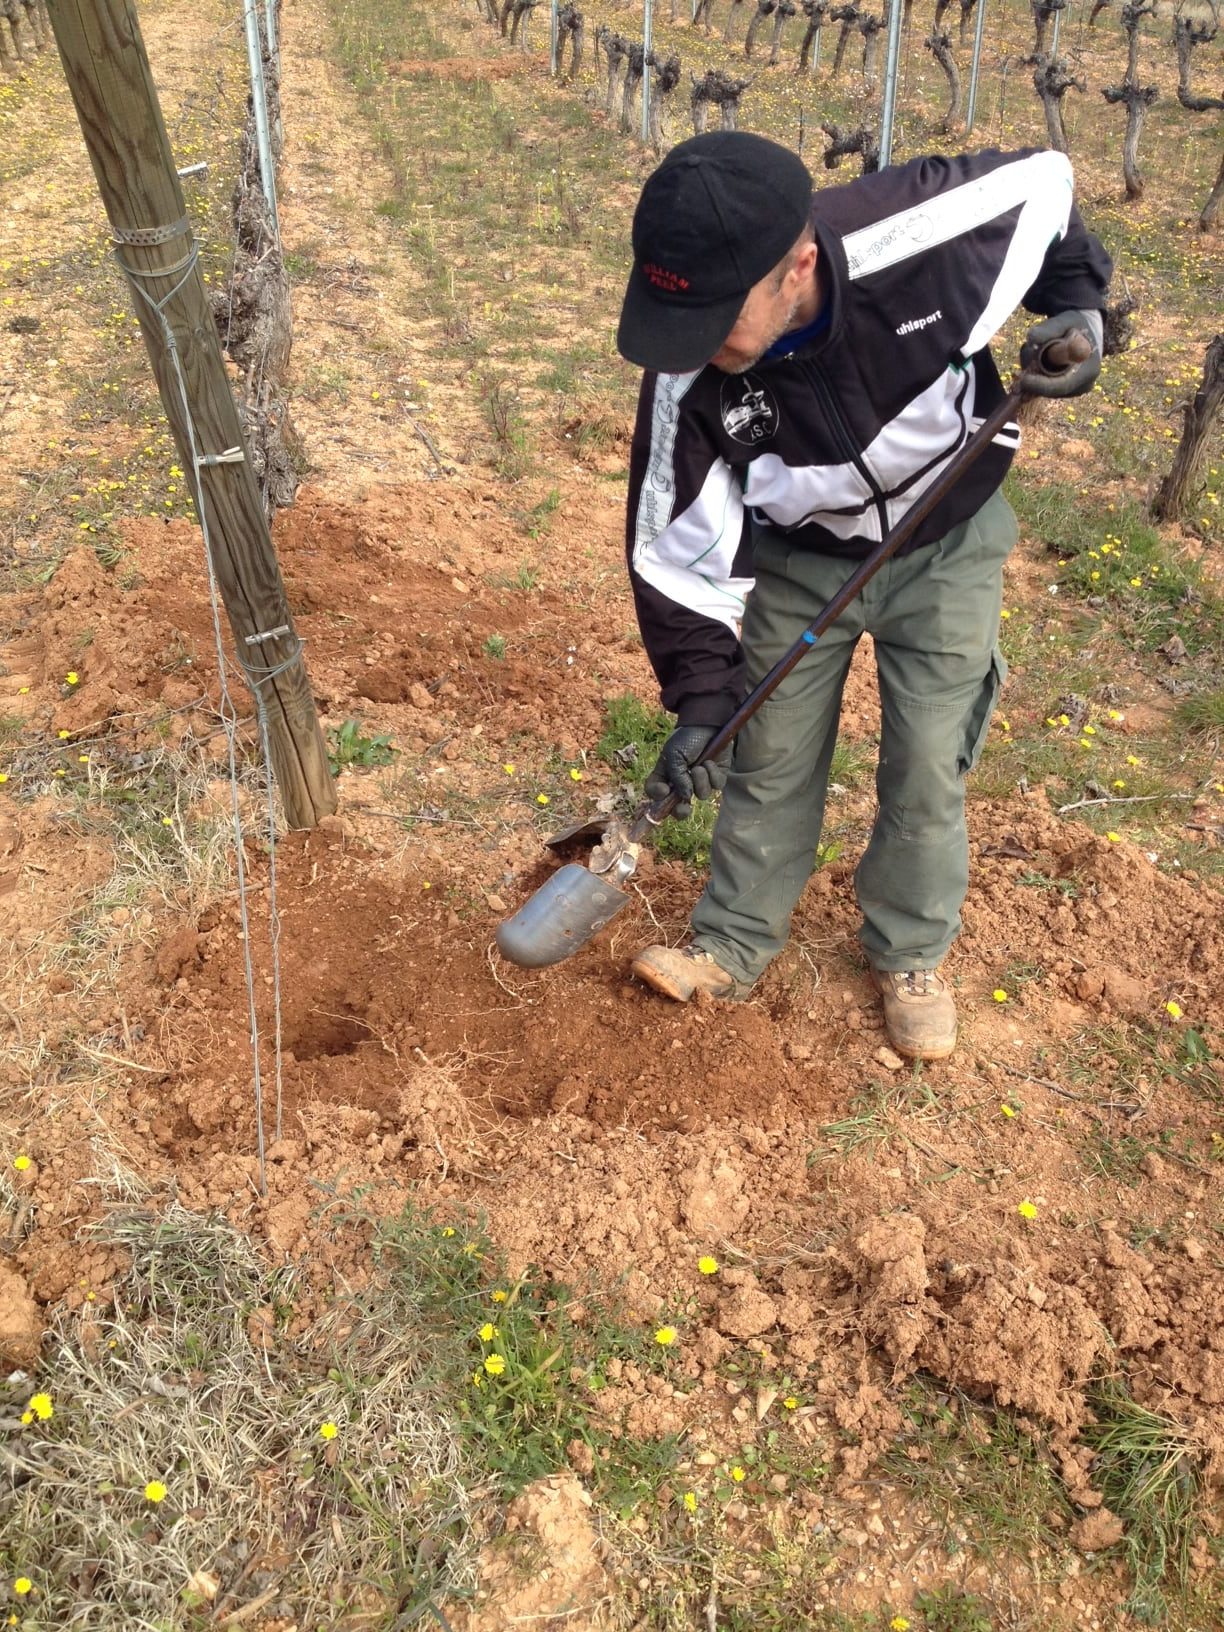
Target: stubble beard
(751, 362)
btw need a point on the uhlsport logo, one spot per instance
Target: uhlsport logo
(749, 413)
(919, 322)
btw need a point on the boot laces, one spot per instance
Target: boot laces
(921, 982)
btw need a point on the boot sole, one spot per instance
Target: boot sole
(929, 1053)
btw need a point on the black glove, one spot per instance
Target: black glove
(1069, 382)
(674, 768)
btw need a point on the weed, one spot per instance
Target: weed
(1147, 1469)
(495, 647)
(1205, 712)
(948, 1609)
(1069, 887)
(538, 519)
(978, 1473)
(350, 747)
(503, 413)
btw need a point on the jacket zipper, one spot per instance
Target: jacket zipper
(841, 433)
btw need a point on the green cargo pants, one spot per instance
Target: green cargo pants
(934, 617)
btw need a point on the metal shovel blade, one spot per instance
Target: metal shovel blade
(560, 918)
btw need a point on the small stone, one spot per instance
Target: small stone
(1193, 1249)
(889, 1059)
(798, 1051)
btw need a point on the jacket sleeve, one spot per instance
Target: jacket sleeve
(1074, 275)
(686, 543)
(976, 236)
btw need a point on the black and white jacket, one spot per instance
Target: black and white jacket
(832, 444)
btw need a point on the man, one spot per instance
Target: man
(813, 361)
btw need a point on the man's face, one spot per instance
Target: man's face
(769, 311)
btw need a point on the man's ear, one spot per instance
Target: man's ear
(805, 261)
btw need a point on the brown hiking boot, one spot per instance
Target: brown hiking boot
(919, 1014)
(679, 972)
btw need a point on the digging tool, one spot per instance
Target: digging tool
(577, 901)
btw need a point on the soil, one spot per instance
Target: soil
(865, 1217)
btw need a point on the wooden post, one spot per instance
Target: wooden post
(108, 75)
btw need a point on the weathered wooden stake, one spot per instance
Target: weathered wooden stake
(108, 75)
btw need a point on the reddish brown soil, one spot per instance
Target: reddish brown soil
(595, 1124)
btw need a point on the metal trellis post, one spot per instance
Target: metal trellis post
(647, 30)
(1054, 36)
(891, 66)
(552, 38)
(259, 99)
(977, 60)
(273, 41)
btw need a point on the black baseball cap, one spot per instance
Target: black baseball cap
(718, 214)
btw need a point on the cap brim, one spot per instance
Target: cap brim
(670, 338)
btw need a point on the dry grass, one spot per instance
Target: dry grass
(192, 1379)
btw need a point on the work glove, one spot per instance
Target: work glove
(1073, 381)
(674, 769)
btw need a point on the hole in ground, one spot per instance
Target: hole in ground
(327, 1032)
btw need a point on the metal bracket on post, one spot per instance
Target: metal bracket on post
(892, 64)
(977, 61)
(259, 100)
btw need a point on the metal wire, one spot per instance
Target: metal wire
(257, 677)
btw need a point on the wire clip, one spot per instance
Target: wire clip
(147, 236)
(231, 456)
(268, 634)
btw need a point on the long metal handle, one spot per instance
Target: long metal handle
(1057, 357)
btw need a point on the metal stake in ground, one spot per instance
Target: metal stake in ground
(977, 63)
(647, 33)
(891, 67)
(108, 75)
(259, 101)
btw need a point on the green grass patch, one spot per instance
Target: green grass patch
(1147, 1468)
(979, 1476)
(1113, 557)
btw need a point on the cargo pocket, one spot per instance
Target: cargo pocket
(977, 721)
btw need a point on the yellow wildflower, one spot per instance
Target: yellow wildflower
(737, 1473)
(666, 1335)
(1027, 1210)
(708, 1266)
(690, 1501)
(999, 995)
(488, 1332)
(328, 1430)
(494, 1364)
(42, 1407)
(21, 1163)
(1173, 1010)
(155, 1491)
